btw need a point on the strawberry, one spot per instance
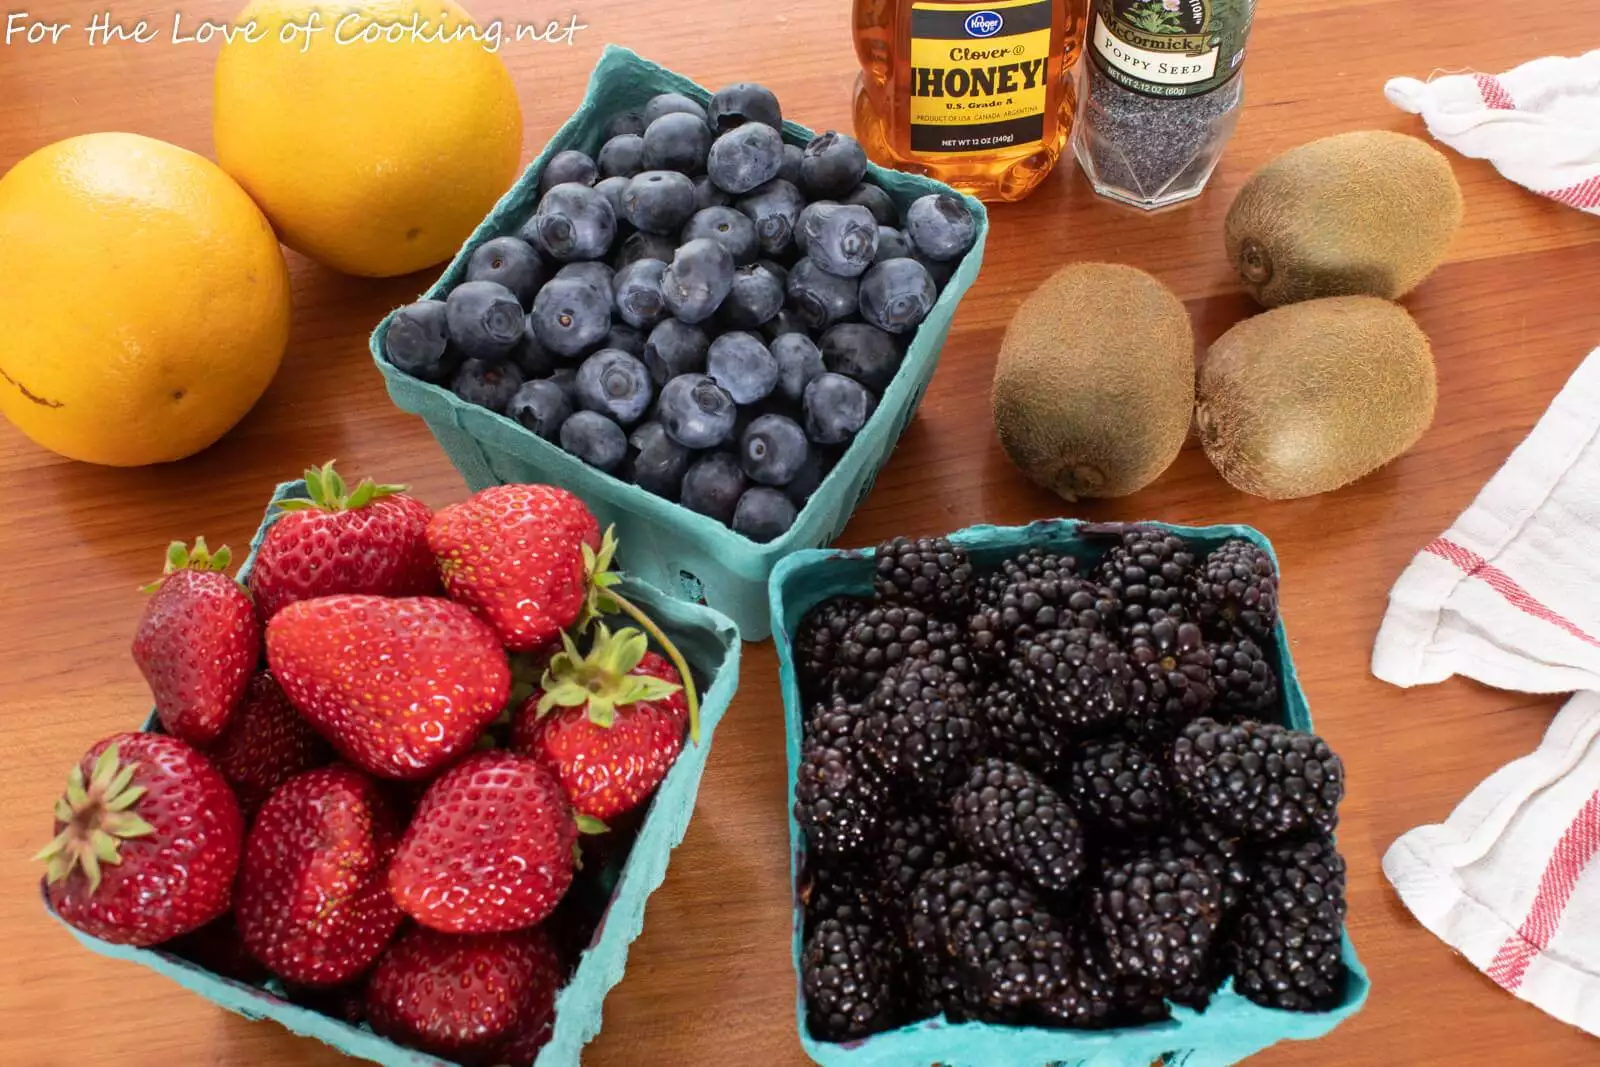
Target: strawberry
(489, 849)
(147, 841)
(370, 540)
(266, 743)
(401, 687)
(471, 999)
(609, 723)
(197, 642)
(312, 903)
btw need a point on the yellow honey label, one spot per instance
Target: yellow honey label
(979, 75)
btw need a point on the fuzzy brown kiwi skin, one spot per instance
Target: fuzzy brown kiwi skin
(1308, 398)
(1369, 212)
(1094, 383)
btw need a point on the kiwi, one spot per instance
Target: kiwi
(1370, 213)
(1094, 385)
(1310, 397)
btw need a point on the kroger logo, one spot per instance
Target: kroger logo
(984, 23)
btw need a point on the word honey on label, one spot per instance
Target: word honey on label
(976, 95)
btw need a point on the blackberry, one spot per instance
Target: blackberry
(816, 643)
(1013, 730)
(1148, 572)
(921, 727)
(1008, 815)
(940, 895)
(911, 845)
(929, 573)
(834, 890)
(849, 980)
(1118, 788)
(886, 634)
(1011, 950)
(1286, 951)
(1156, 918)
(1095, 998)
(1236, 588)
(1260, 780)
(1218, 851)
(1242, 677)
(1033, 593)
(1174, 665)
(838, 796)
(1077, 678)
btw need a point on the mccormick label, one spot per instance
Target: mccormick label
(978, 75)
(1169, 47)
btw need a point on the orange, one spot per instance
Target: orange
(146, 300)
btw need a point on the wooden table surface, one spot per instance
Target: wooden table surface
(1511, 314)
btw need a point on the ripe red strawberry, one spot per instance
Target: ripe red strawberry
(197, 642)
(147, 841)
(370, 540)
(610, 723)
(266, 743)
(312, 901)
(471, 999)
(489, 849)
(400, 686)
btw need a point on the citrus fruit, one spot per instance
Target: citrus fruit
(146, 300)
(377, 147)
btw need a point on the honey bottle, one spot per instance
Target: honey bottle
(977, 95)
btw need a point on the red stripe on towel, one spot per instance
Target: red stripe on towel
(1476, 566)
(1585, 196)
(1494, 93)
(1577, 847)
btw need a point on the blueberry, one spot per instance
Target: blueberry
(512, 262)
(697, 280)
(638, 293)
(841, 239)
(565, 166)
(695, 411)
(594, 439)
(862, 352)
(941, 226)
(742, 365)
(875, 200)
(897, 294)
(645, 246)
(612, 189)
(614, 384)
(625, 338)
(745, 157)
(784, 322)
(836, 408)
(940, 270)
(803, 225)
(489, 384)
(756, 296)
(799, 361)
(622, 156)
(627, 122)
(773, 449)
(745, 102)
(531, 357)
(675, 348)
(789, 169)
(706, 194)
(659, 201)
(730, 228)
(660, 463)
(805, 482)
(832, 165)
(763, 514)
(570, 316)
(571, 222)
(484, 320)
(676, 141)
(892, 244)
(566, 378)
(417, 341)
(774, 208)
(819, 298)
(596, 275)
(777, 270)
(712, 486)
(671, 103)
(541, 406)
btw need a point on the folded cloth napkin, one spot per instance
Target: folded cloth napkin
(1538, 124)
(1510, 596)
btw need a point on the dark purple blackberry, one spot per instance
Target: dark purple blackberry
(1011, 951)
(927, 573)
(1148, 572)
(1242, 678)
(921, 727)
(1261, 780)
(1157, 918)
(1077, 679)
(1118, 789)
(886, 634)
(911, 845)
(816, 643)
(1008, 815)
(849, 977)
(1219, 851)
(1236, 588)
(1172, 662)
(1013, 730)
(831, 889)
(940, 895)
(1031, 593)
(839, 796)
(1096, 998)
(1286, 949)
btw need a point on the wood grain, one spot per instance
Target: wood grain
(709, 982)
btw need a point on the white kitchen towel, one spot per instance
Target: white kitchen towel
(1538, 124)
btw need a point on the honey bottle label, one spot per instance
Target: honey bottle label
(979, 75)
(1169, 47)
